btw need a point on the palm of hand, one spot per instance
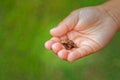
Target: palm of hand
(90, 29)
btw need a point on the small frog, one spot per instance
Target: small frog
(68, 44)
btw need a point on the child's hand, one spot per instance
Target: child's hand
(90, 29)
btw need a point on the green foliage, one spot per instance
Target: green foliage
(24, 27)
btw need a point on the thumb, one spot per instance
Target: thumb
(66, 25)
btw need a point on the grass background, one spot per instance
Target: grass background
(24, 27)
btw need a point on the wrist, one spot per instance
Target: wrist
(112, 8)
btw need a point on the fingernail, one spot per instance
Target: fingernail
(70, 58)
(52, 30)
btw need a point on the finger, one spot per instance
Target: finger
(65, 26)
(49, 43)
(63, 54)
(56, 47)
(63, 37)
(79, 53)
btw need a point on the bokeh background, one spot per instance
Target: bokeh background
(24, 28)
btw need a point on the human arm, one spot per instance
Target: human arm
(91, 29)
(112, 7)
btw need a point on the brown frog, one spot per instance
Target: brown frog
(68, 44)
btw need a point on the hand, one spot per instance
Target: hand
(91, 29)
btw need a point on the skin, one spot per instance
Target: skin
(90, 28)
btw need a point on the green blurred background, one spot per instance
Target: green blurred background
(24, 27)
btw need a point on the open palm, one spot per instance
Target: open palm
(90, 29)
